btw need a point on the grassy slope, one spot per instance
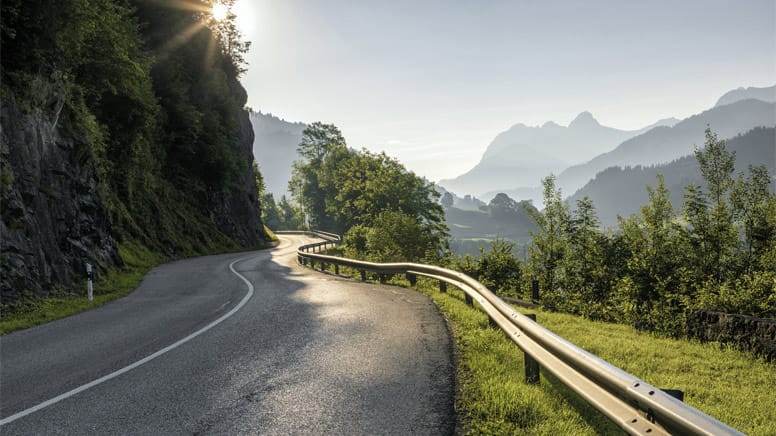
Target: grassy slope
(732, 386)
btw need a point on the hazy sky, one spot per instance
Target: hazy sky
(433, 82)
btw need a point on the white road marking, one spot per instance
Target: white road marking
(146, 359)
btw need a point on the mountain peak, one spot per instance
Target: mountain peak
(584, 119)
(767, 94)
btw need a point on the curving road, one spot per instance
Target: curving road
(305, 353)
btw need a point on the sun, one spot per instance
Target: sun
(220, 11)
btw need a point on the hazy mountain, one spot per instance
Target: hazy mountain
(501, 218)
(622, 191)
(522, 155)
(767, 94)
(664, 144)
(274, 147)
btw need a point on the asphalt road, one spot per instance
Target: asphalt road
(307, 353)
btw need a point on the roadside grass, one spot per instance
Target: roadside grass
(732, 386)
(116, 283)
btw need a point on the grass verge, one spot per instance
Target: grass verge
(117, 283)
(732, 386)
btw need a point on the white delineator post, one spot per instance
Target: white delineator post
(89, 288)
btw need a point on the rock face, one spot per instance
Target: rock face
(745, 332)
(238, 214)
(53, 219)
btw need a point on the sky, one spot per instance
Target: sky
(433, 82)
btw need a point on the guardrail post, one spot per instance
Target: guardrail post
(383, 278)
(676, 393)
(442, 286)
(336, 269)
(363, 275)
(535, 291)
(492, 322)
(412, 278)
(468, 299)
(531, 365)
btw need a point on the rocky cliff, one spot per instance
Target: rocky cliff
(115, 143)
(53, 219)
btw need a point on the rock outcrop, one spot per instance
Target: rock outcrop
(744, 332)
(53, 219)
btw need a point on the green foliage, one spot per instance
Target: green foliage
(371, 195)
(152, 89)
(550, 243)
(447, 200)
(291, 216)
(393, 237)
(270, 214)
(719, 254)
(499, 269)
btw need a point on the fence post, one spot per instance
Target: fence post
(531, 365)
(535, 291)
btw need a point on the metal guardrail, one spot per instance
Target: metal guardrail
(634, 405)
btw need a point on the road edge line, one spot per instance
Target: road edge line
(142, 361)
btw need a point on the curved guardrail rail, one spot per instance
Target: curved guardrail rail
(634, 405)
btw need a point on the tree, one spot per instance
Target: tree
(585, 273)
(270, 212)
(398, 237)
(342, 189)
(447, 200)
(549, 242)
(502, 206)
(654, 287)
(750, 198)
(498, 267)
(322, 148)
(290, 216)
(717, 165)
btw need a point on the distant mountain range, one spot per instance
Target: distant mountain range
(519, 158)
(523, 155)
(767, 94)
(664, 144)
(274, 147)
(622, 191)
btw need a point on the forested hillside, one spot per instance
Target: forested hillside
(620, 191)
(123, 132)
(502, 218)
